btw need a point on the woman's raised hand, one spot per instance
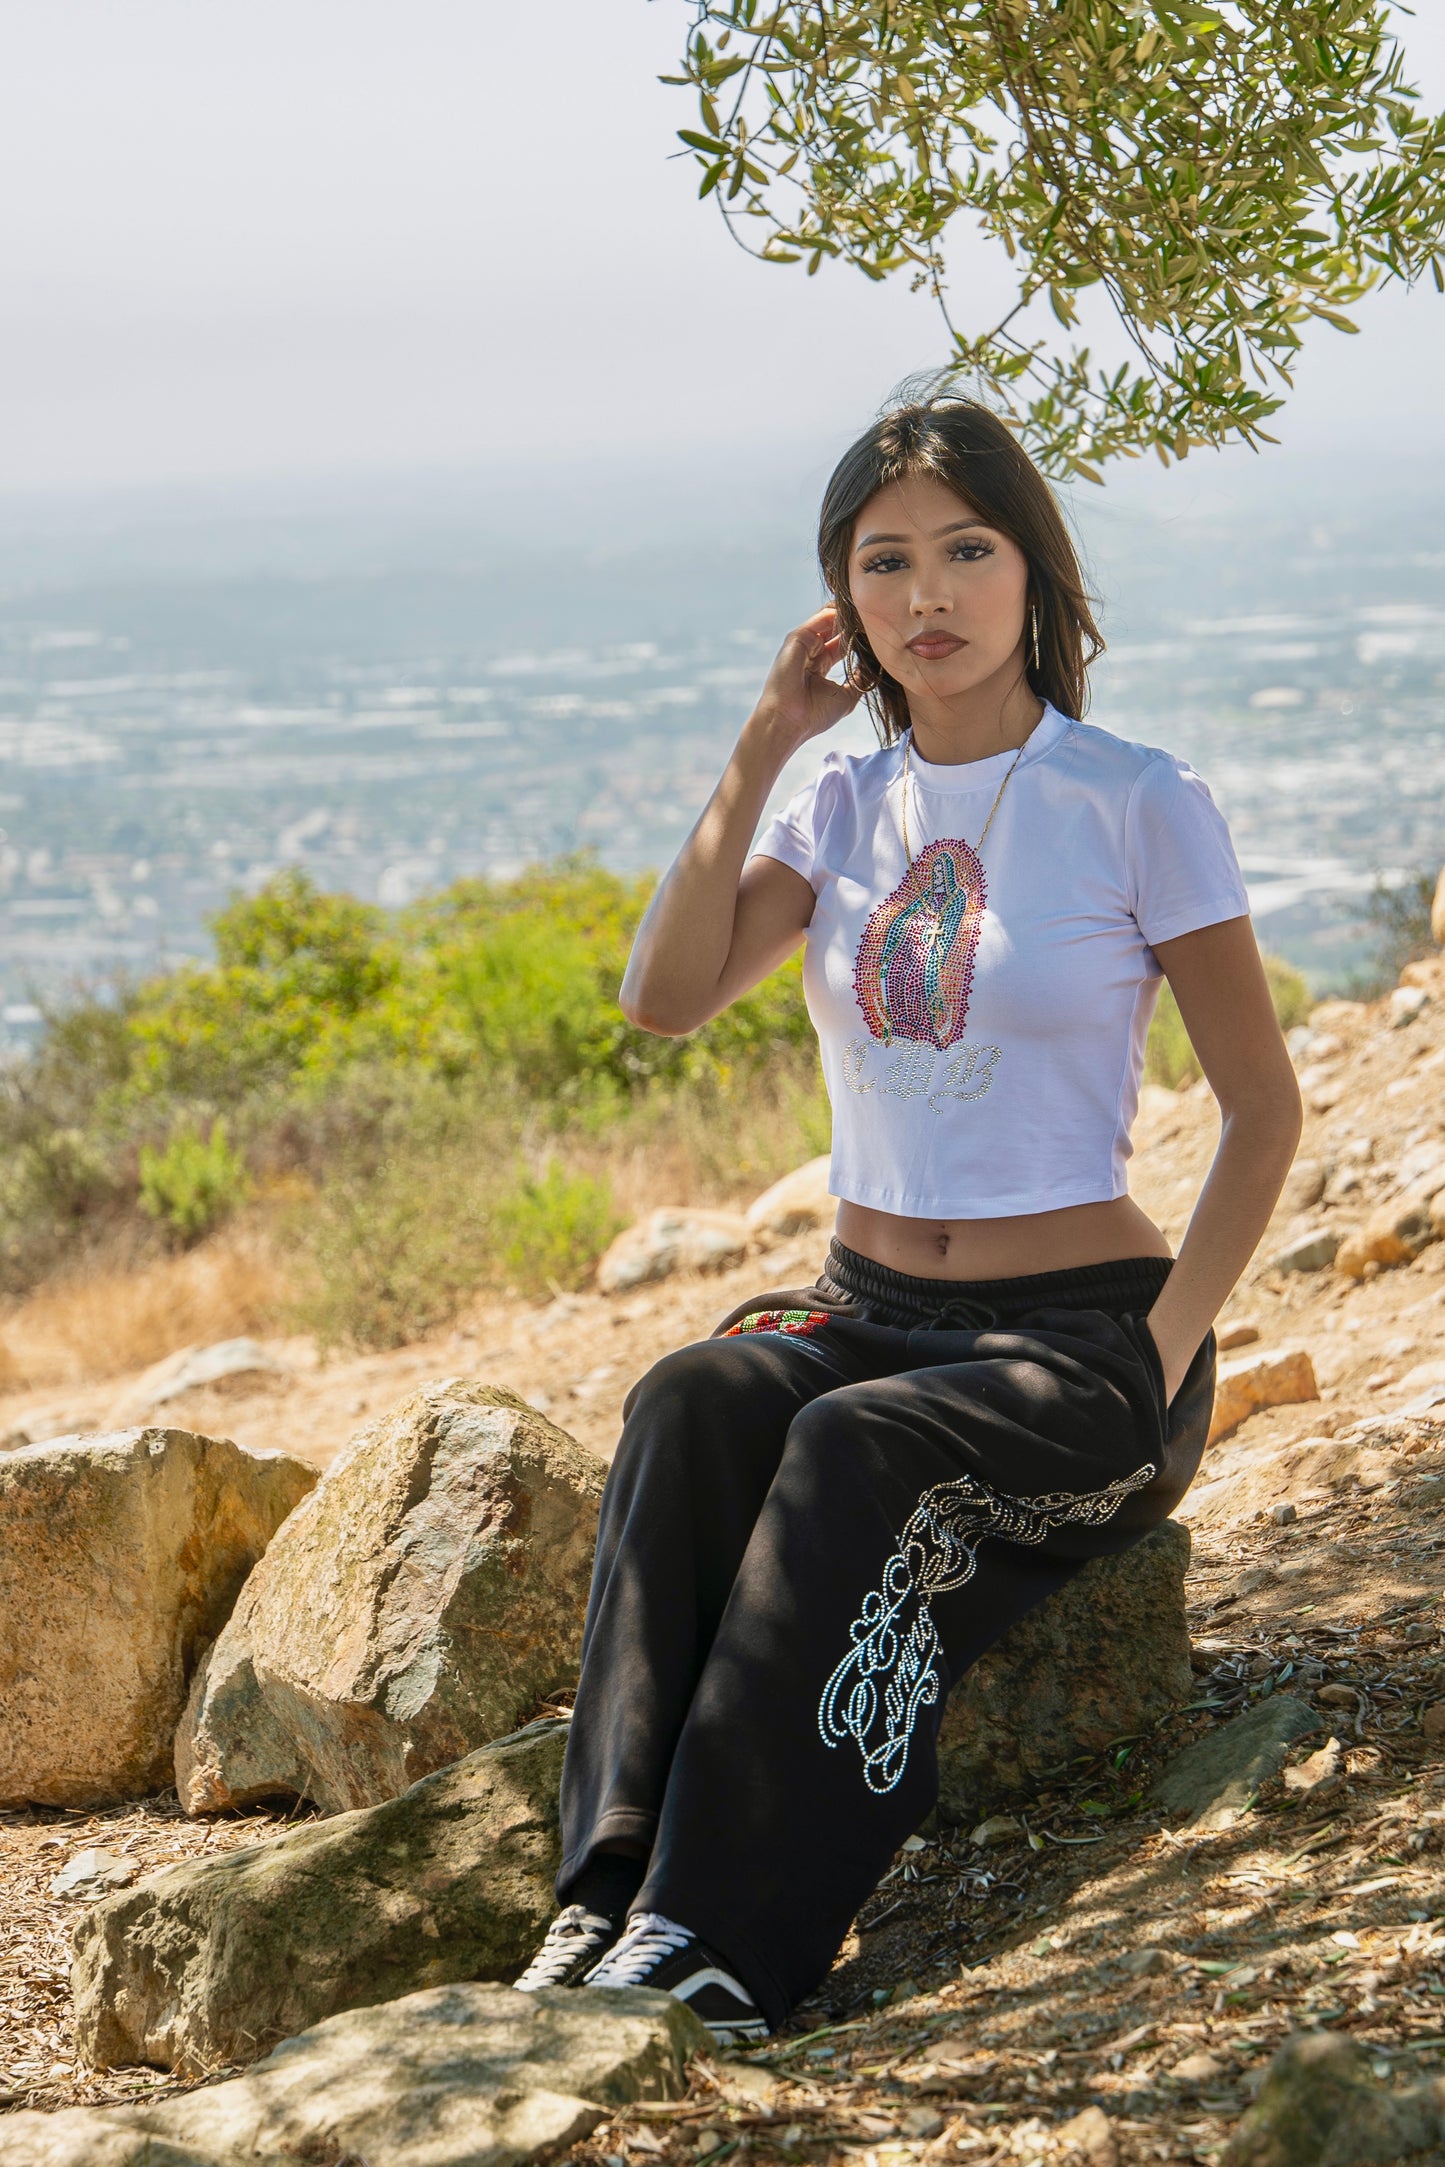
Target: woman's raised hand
(800, 699)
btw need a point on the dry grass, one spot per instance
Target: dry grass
(108, 1321)
(702, 1149)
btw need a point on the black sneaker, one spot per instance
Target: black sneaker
(575, 1940)
(657, 1952)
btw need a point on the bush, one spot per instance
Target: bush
(1170, 1059)
(194, 1182)
(1397, 919)
(550, 1231)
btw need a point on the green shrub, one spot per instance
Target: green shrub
(193, 1182)
(1396, 918)
(551, 1229)
(1170, 1059)
(1290, 992)
(397, 1235)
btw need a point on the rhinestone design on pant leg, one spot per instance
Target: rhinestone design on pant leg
(891, 1670)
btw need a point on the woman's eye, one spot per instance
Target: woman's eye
(883, 564)
(970, 552)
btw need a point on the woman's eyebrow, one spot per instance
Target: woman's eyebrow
(954, 527)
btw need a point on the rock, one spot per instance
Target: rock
(1213, 1780)
(215, 1960)
(1309, 1252)
(1088, 2138)
(670, 1241)
(1244, 1332)
(236, 1365)
(747, 2084)
(93, 1873)
(797, 1204)
(1318, 1777)
(998, 1829)
(427, 1595)
(1146, 1963)
(1319, 2106)
(1303, 1186)
(1102, 1659)
(1338, 1696)
(1395, 1234)
(1273, 1377)
(1198, 2070)
(1283, 1515)
(1437, 912)
(1406, 1003)
(1433, 1723)
(455, 2076)
(120, 1556)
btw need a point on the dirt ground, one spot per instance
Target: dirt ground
(1103, 1987)
(1100, 1958)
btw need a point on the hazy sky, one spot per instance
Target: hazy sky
(277, 236)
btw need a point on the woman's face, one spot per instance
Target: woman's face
(943, 596)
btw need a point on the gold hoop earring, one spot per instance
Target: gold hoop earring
(1034, 631)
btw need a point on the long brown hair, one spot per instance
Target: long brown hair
(965, 446)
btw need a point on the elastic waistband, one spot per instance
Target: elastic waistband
(1123, 1283)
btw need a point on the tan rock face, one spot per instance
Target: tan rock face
(120, 1556)
(214, 1961)
(1395, 1234)
(795, 1205)
(429, 1593)
(1266, 1377)
(455, 2076)
(668, 1241)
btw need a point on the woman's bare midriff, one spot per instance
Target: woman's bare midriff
(1037, 1241)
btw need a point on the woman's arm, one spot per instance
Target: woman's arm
(1224, 1000)
(713, 929)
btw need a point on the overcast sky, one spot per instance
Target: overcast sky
(310, 236)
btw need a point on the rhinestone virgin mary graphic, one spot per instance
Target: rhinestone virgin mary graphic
(914, 965)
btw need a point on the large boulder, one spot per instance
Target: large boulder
(1102, 1659)
(120, 1556)
(798, 1204)
(1320, 2105)
(428, 1594)
(1265, 1377)
(672, 1240)
(213, 1961)
(455, 2076)
(1214, 1780)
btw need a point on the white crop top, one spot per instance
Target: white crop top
(982, 1023)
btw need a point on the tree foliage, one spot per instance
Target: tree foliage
(1225, 175)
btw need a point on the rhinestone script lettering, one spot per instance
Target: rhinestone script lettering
(890, 1671)
(914, 1071)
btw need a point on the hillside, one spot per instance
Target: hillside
(1089, 1984)
(1375, 1114)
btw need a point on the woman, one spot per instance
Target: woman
(818, 1518)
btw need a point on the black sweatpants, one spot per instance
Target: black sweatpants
(816, 1520)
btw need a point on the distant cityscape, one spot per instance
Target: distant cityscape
(173, 734)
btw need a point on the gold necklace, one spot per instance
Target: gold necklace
(978, 846)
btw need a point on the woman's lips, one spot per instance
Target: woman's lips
(933, 646)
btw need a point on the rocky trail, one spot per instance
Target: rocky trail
(1105, 1972)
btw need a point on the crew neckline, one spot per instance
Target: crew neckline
(952, 778)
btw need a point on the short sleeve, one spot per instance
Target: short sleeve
(792, 834)
(1183, 873)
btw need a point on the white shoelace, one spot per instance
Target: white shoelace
(649, 1936)
(559, 1949)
